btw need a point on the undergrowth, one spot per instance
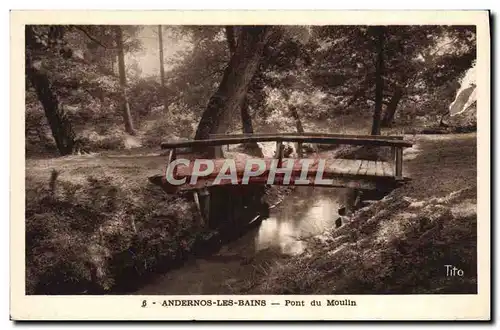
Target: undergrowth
(398, 245)
(97, 234)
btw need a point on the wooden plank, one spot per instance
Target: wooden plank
(372, 170)
(355, 166)
(364, 168)
(360, 166)
(341, 162)
(387, 169)
(334, 165)
(374, 167)
(347, 166)
(289, 138)
(380, 171)
(337, 165)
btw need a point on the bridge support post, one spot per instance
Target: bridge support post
(202, 201)
(398, 173)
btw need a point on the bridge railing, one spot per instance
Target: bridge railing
(390, 137)
(397, 144)
(299, 147)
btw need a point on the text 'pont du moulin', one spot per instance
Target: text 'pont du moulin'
(248, 303)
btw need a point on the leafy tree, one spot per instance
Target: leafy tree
(234, 84)
(379, 78)
(415, 58)
(197, 70)
(48, 41)
(127, 117)
(162, 68)
(283, 71)
(69, 69)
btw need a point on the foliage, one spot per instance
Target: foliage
(419, 60)
(78, 62)
(325, 72)
(83, 237)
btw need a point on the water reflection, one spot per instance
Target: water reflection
(307, 212)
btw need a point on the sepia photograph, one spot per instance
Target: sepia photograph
(198, 160)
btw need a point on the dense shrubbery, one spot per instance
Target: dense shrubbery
(89, 236)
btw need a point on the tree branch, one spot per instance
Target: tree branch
(446, 44)
(93, 38)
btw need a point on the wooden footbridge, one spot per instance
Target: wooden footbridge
(362, 174)
(353, 173)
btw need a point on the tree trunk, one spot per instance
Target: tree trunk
(379, 79)
(60, 126)
(233, 87)
(231, 39)
(246, 119)
(162, 70)
(392, 107)
(298, 123)
(127, 118)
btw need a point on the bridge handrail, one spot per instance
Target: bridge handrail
(321, 139)
(386, 137)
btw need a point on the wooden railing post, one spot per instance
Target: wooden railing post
(398, 173)
(172, 155)
(279, 152)
(299, 149)
(218, 152)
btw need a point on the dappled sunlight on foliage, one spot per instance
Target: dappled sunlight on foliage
(86, 235)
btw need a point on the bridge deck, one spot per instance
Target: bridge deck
(344, 172)
(339, 172)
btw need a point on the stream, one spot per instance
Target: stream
(304, 213)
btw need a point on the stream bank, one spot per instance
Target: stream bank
(400, 244)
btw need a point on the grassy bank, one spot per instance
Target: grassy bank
(402, 243)
(96, 224)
